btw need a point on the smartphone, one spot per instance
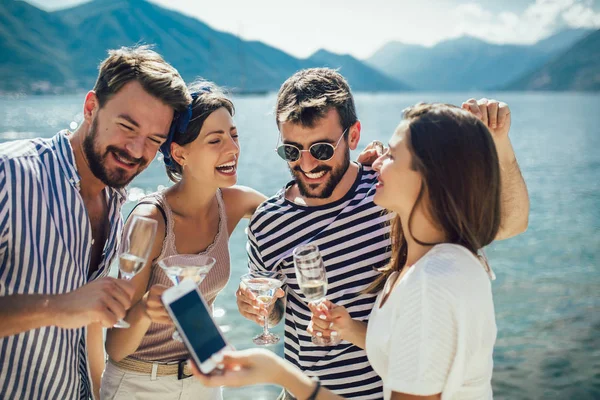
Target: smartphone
(192, 317)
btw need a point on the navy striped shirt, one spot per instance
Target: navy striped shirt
(353, 237)
(45, 248)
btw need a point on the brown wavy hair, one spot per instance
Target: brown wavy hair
(456, 156)
(307, 96)
(144, 65)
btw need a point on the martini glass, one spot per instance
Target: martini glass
(264, 285)
(180, 267)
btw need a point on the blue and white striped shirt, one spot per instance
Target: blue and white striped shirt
(353, 238)
(45, 248)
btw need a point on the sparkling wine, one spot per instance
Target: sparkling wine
(314, 289)
(130, 264)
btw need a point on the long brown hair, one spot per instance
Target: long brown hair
(455, 154)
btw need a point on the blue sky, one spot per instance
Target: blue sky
(360, 27)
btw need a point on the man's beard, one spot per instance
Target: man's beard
(116, 179)
(335, 176)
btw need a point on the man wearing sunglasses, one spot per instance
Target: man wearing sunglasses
(328, 203)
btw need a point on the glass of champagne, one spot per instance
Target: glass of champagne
(264, 285)
(181, 266)
(135, 250)
(312, 279)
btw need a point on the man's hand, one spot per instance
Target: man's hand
(252, 308)
(494, 114)
(154, 306)
(103, 301)
(371, 153)
(515, 200)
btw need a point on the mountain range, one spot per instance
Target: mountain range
(468, 63)
(57, 52)
(60, 51)
(577, 68)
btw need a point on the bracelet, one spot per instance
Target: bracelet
(313, 395)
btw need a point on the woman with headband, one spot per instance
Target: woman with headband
(195, 217)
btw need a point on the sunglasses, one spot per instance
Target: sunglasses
(321, 151)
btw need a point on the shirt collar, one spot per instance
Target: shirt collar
(66, 159)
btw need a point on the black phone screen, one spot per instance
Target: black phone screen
(197, 325)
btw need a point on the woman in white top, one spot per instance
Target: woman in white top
(432, 330)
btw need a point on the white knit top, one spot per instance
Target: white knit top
(437, 329)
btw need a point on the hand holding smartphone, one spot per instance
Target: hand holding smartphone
(193, 319)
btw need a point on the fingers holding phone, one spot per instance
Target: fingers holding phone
(192, 317)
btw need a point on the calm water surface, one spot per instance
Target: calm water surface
(547, 292)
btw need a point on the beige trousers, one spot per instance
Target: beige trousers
(120, 384)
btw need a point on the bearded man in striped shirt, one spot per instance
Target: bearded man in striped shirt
(329, 203)
(60, 225)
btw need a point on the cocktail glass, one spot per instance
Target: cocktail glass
(180, 267)
(264, 285)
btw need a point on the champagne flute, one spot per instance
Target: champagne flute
(312, 279)
(264, 285)
(135, 250)
(182, 266)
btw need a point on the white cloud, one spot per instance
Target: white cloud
(581, 16)
(539, 20)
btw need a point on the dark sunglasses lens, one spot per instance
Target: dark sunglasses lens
(322, 151)
(288, 153)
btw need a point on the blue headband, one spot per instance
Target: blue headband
(180, 123)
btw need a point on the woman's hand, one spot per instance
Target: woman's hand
(332, 320)
(329, 319)
(242, 368)
(258, 366)
(153, 305)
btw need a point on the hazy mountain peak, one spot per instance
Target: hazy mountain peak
(352, 68)
(124, 3)
(322, 52)
(462, 41)
(562, 39)
(325, 54)
(577, 68)
(467, 62)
